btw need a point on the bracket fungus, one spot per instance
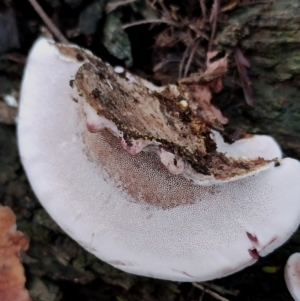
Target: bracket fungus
(152, 213)
(292, 275)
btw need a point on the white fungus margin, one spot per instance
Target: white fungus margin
(292, 275)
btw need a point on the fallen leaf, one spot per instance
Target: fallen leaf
(12, 278)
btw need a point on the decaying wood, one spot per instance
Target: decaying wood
(140, 113)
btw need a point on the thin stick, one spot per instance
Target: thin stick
(216, 8)
(220, 289)
(55, 31)
(202, 295)
(189, 61)
(184, 57)
(249, 3)
(208, 291)
(150, 21)
(203, 8)
(114, 5)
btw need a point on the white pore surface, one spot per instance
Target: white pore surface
(128, 210)
(292, 275)
(256, 146)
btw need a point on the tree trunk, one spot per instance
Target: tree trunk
(269, 37)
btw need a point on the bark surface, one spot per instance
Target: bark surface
(269, 37)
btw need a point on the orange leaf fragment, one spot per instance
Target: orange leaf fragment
(12, 278)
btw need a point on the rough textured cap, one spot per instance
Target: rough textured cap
(129, 210)
(292, 275)
(148, 120)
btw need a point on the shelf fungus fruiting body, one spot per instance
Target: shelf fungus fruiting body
(292, 275)
(140, 180)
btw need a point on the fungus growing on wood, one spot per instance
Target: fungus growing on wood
(252, 146)
(153, 121)
(129, 210)
(292, 275)
(12, 278)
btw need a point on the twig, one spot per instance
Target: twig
(208, 291)
(14, 57)
(220, 289)
(192, 54)
(160, 65)
(248, 3)
(164, 8)
(241, 64)
(215, 12)
(184, 56)
(203, 8)
(202, 295)
(150, 21)
(55, 31)
(114, 5)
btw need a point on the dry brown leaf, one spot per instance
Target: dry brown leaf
(202, 95)
(214, 69)
(201, 85)
(229, 6)
(215, 66)
(242, 63)
(8, 114)
(12, 278)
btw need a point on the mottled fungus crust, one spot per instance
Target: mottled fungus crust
(12, 242)
(160, 119)
(130, 210)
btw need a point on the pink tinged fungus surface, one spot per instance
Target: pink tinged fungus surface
(292, 275)
(130, 211)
